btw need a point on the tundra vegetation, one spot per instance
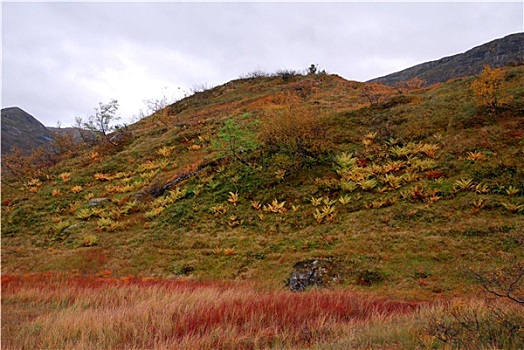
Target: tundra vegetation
(183, 234)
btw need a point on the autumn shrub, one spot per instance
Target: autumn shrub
(17, 165)
(295, 130)
(367, 277)
(477, 325)
(489, 89)
(505, 282)
(375, 93)
(20, 165)
(286, 74)
(158, 111)
(70, 142)
(410, 85)
(255, 74)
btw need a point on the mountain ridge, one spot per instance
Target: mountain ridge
(508, 50)
(23, 131)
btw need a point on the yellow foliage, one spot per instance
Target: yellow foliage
(165, 151)
(256, 205)
(229, 251)
(76, 189)
(65, 177)
(34, 183)
(233, 198)
(102, 177)
(475, 156)
(275, 207)
(93, 156)
(488, 88)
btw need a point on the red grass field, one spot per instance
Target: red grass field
(51, 311)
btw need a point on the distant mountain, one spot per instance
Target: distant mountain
(21, 130)
(497, 53)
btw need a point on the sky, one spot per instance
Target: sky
(61, 59)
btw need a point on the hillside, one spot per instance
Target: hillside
(22, 130)
(497, 53)
(403, 197)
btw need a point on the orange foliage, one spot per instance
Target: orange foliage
(22, 167)
(294, 129)
(375, 93)
(410, 85)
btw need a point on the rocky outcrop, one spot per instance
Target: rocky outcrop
(497, 53)
(312, 273)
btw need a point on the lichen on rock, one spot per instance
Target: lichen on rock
(312, 273)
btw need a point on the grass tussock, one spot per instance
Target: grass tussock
(131, 313)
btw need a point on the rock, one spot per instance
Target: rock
(68, 230)
(116, 139)
(312, 273)
(95, 202)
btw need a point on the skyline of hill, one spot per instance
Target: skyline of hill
(18, 128)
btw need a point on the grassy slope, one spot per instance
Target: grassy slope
(421, 244)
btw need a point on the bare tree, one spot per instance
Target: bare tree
(158, 110)
(102, 120)
(505, 283)
(375, 93)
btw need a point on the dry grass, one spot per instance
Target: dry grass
(45, 311)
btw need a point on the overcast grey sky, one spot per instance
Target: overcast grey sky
(60, 59)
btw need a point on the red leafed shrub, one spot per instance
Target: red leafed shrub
(434, 174)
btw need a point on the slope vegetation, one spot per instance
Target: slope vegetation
(405, 193)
